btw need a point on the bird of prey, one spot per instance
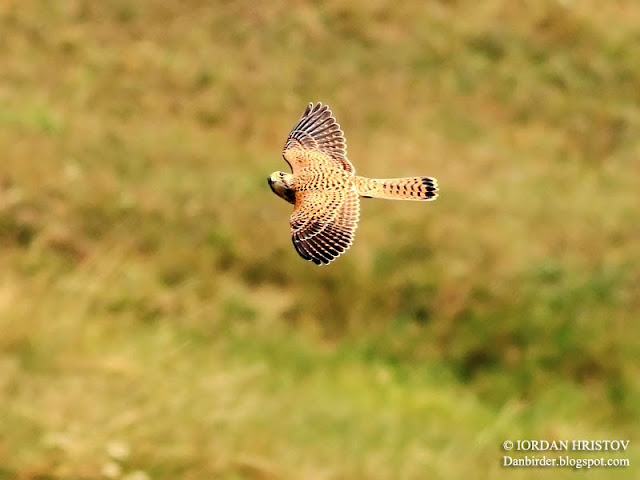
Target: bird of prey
(325, 190)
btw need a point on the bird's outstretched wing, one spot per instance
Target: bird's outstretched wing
(323, 223)
(317, 140)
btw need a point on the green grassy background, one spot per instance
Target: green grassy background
(155, 321)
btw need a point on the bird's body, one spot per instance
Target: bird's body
(411, 188)
(326, 192)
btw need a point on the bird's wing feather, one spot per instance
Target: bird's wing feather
(317, 139)
(323, 223)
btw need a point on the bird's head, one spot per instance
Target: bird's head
(280, 183)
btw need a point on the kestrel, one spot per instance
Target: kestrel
(325, 190)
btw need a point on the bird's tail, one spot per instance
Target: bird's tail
(410, 188)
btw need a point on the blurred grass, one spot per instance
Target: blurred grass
(151, 303)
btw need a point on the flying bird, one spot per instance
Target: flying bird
(325, 190)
